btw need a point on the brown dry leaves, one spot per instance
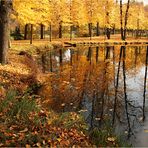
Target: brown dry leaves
(16, 74)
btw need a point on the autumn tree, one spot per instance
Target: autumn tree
(33, 13)
(5, 7)
(124, 26)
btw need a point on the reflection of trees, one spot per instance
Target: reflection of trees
(84, 79)
(89, 55)
(116, 85)
(97, 54)
(60, 56)
(71, 56)
(130, 109)
(125, 91)
(145, 78)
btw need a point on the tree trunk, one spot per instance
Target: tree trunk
(26, 32)
(98, 29)
(108, 30)
(71, 29)
(124, 29)
(121, 20)
(137, 32)
(4, 31)
(31, 34)
(126, 19)
(108, 33)
(60, 30)
(113, 28)
(90, 30)
(42, 31)
(78, 28)
(50, 32)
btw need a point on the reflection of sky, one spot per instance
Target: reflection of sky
(67, 55)
(135, 84)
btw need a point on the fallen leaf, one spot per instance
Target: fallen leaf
(25, 130)
(59, 139)
(111, 139)
(28, 146)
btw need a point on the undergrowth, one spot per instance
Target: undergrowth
(24, 117)
(105, 136)
(17, 108)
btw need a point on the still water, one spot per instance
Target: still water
(105, 84)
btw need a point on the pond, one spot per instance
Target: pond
(105, 84)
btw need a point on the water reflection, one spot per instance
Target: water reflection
(103, 83)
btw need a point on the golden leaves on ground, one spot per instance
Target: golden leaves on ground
(46, 134)
(16, 74)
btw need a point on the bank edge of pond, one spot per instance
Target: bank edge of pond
(104, 136)
(99, 137)
(105, 43)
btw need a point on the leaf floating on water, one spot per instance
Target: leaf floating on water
(141, 119)
(98, 119)
(126, 132)
(82, 110)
